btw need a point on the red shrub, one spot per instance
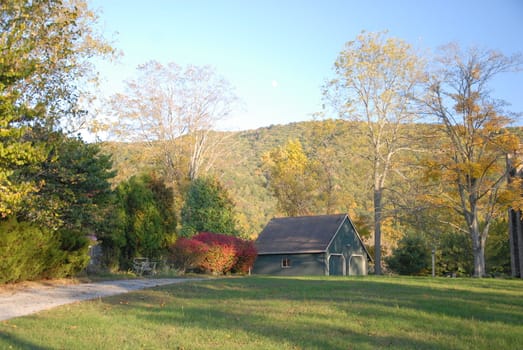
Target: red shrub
(221, 256)
(215, 239)
(218, 259)
(215, 252)
(187, 253)
(246, 254)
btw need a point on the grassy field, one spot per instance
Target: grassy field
(287, 313)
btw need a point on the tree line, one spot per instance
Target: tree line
(62, 194)
(382, 83)
(57, 197)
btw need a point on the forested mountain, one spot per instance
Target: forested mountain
(395, 175)
(240, 166)
(337, 144)
(445, 185)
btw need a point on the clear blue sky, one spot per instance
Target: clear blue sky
(277, 54)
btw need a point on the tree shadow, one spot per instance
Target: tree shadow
(410, 305)
(11, 341)
(445, 300)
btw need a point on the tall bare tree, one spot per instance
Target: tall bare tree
(175, 110)
(471, 166)
(376, 81)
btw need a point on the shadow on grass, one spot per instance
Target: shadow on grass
(361, 313)
(296, 313)
(18, 343)
(290, 333)
(443, 297)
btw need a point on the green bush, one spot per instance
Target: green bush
(411, 257)
(208, 208)
(28, 252)
(75, 254)
(454, 254)
(142, 222)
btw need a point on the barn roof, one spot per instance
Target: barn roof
(305, 234)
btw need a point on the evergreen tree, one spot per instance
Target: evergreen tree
(208, 208)
(143, 222)
(411, 257)
(71, 205)
(74, 188)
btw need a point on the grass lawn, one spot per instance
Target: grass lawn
(287, 313)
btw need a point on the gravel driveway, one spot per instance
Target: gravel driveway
(33, 299)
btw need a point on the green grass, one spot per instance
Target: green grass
(111, 276)
(287, 313)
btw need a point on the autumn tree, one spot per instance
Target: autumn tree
(174, 110)
(291, 178)
(45, 48)
(470, 166)
(326, 164)
(376, 81)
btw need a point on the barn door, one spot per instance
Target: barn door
(357, 265)
(336, 264)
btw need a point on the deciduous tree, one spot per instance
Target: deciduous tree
(174, 109)
(376, 81)
(45, 47)
(470, 166)
(291, 178)
(326, 164)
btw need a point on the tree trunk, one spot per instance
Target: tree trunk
(515, 227)
(377, 230)
(478, 250)
(516, 243)
(479, 261)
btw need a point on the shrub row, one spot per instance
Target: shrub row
(30, 252)
(213, 252)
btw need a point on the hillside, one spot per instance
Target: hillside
(239, 168)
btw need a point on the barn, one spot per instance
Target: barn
(311, 245)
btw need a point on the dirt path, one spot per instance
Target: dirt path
(42, 297)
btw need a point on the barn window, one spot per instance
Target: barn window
(285, 262)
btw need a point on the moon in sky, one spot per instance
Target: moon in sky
(274, 84)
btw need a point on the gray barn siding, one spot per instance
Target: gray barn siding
(347, 243)
(316, 245)
(301, 264)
